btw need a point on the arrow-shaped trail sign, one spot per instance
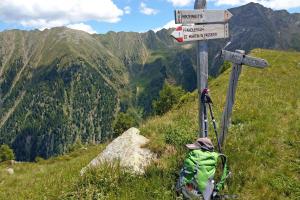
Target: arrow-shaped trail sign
(242, 59)
(201, 16)
(201, 32)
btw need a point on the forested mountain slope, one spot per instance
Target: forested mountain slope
(57, 86)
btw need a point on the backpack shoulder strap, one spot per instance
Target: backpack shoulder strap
(221, 183)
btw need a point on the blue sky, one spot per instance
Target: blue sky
(101, 16)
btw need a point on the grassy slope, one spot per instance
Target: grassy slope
(46, 179)
(263, 145)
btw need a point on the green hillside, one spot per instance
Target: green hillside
(57, 86)
(47, 179)
(60, 85)
(263, 146)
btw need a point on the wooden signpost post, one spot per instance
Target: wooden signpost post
(202, 71)
(209, 24)
(238, 58)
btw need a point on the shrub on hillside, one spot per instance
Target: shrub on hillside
(125, 121)
(168, 97)
(39, 159)
(226, 65)
(75, 146)
(178, 136)
(187, 97)
(113, 182)
(6, 153)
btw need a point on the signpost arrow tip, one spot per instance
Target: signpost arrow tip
(177, 34)
(241, 59)
(228, 15)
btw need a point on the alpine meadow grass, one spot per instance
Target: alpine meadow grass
(263, 145)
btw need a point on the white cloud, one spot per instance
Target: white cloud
(82, 27)
(181, 2)
(146, 10)
(170, 24)
(50, 13)
(127, 10)
(274, 4)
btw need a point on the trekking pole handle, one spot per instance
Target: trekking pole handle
(204, 95)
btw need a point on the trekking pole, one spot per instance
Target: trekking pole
(203, 101)
(215, 127)
(216, 132)
(207, 100)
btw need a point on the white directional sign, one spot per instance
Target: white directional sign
(242, 59)
(201, 32)
(201, 16)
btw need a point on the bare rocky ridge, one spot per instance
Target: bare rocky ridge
(127, 149)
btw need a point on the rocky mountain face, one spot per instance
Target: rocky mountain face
(254, 26)
(62, 85)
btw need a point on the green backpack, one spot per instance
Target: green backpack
(196, 180)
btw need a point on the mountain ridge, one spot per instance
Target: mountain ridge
(61, 85)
